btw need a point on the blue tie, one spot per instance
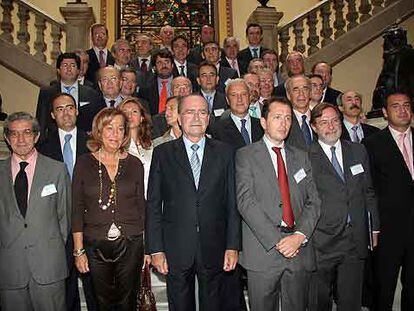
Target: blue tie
(255, 55)
(306, 131)
(336, 165)
(68, 89)
(210, 104)
(244, 132)
(68, 155)
(195, 164)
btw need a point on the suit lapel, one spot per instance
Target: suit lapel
(265, 163)
(325, 161)
(182, 158)
(35, 189)
(232, 131)
(256, 130)
(347, 160)
(55, 146)
(10, 182)
(209, 158)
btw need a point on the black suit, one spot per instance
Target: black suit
(226, 131)
(242, 67)
(331, 95)
(246, 56)
(192, 226)
(94, 64)
(192, 73)
(280, 90)
(295, 137)
(395, 190)
(89, 104)
(224, 75)
(52, 148)
(149, 92)
(367, 129)
(159, 125)
(341, 235)
(195, 55)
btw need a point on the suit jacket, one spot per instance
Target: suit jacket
(94, 64)
(159, 125)
(224, 75)
(226, 131)
(395, 191)
(246, 56)
(34, 246)
(331, 95)
(89, 105)
(258, 201)
(195, 55)
(149, 92)
(192, 73)
(280, 90)
(181, 218)
(242, 66)
(355, 198)
(295, 137)
(367, 129)
(52, 148)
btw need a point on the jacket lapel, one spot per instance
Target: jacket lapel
(182, 158)
(208, 159)
(10, 183)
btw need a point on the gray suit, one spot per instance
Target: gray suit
(258, 200)
(32, 249)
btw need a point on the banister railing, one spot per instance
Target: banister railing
(24, 12)
(325, 22)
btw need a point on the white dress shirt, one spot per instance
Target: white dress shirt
(237, 122)
(338, 152)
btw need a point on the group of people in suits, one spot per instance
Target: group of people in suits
(257, 179)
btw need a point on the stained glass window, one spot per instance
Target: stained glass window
(186, 16)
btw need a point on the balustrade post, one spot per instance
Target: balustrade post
(284, 45)
(298, 31)
(364, 9)
(56, 34)
(377, 6)
(313, 38)
(39, 44)
(23, 33)
(326, 31)
(6, 24)
(339, 22)
(352, 15)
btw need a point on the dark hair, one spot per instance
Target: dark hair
(206, 64)
(162, 53)
(395, 92)
(17, 116)
(268, 51)
(253, 25)
(314, 75)
(62, 95)
(179, 37)
(321, 62)
(70, 55)
(319, 109)
(273, 100)
(211, 42)
(128, 70)
(97, 25)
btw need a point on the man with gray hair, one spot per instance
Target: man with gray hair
(230, 59)
(166, 35)
(35, 206)
(121, 50)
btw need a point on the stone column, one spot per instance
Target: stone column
(79, 18)
(268, 18)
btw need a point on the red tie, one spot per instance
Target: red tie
(163, 97)
(101, 59)
(144, 66)
(287, 213)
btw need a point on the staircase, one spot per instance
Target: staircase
(334, 29)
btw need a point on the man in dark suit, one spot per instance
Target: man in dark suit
(87, 99)
(142, 61)
(211, 52)
(57, 147)
(99, 55)
(350, 104)
(238, 129)
(391, 157)
(193, 227)
(295, 65)
(254, 35)
(323, 69)
(206, 35)
(122, 53)
(230, 58)
(341, 239)
(271, 61)
(298, 92)
(35, 204)
(279, 205)
(181, 67)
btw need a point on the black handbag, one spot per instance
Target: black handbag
(145, 298)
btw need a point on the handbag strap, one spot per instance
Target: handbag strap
(146, 276)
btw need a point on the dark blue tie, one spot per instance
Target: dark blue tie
(244, 132)
(306, 131)
(336, 164)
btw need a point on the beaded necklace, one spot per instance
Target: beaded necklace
(112, 189)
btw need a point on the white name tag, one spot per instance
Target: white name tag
(81, 104)
(48, 190)
(357, 169)
(299, 175)
(218, 112)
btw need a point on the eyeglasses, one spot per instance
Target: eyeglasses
(200, 113)
(112, 79)
(27, 133)
(325, 123)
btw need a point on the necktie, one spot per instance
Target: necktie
(255, 55)
(112, 103)
(102, 62)
(182, 73)
(144, 67)
(355, 137)
(244, 132)
(163, 97)
(287, 212)
(253, 112)
(68, 89)
(21, 186)
(195, 164)
(336, 165)
(68, 154)
(306, 131)
(210, 103)
(405, 152)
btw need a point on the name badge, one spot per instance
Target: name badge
(81, 104)
(299, 175)
(48, 190)
(218, 112)
(357, 169)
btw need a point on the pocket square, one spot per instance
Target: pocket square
(48, 190)
(81, 104)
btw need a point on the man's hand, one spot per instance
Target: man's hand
(230, 259)
(81, 263)
(159, 261)
(147, 261)
(375, 239)
(289, 246)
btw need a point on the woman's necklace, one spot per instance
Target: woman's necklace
(112, 190)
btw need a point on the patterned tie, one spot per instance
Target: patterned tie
(287, 212)
(210, 102)
(336, 164)
(244, 132)
(21, 186)
(102, 62)
(253, 112)
(163, 96)
(68, 154)
(195, 164)
(112, 103)
(255, 55)
(355, 137)
(305, 130)
(182, 72)
(68, 89)
(144, 67)
(405, 153)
